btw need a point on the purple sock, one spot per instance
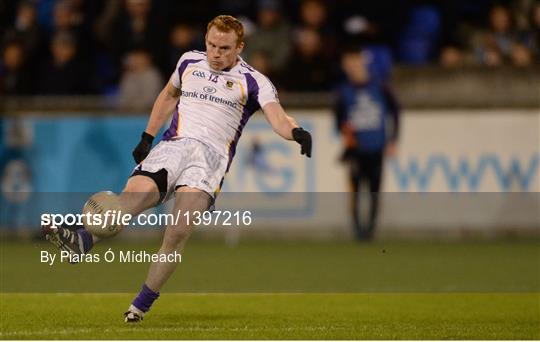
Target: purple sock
(145, 298)
(86, 239)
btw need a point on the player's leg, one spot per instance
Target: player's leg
(375, 166)
(140, 193)
(363, 167)
(354, 200)
(187, 199)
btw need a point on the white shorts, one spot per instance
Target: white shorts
(188, 162)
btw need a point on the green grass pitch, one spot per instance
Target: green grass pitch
(275, 316)
(277, 290)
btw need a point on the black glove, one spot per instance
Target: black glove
(143, 148)
(302, 137)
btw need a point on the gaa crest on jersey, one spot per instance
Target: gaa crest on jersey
(209, 90)
(229, 84)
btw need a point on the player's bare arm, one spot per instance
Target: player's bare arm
(282, 123)
(286, 126)
(163, 107)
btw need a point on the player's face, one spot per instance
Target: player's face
(222, 49)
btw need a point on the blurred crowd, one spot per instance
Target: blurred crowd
(129, 48)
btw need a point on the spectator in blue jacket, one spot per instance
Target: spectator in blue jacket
(367, 115)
